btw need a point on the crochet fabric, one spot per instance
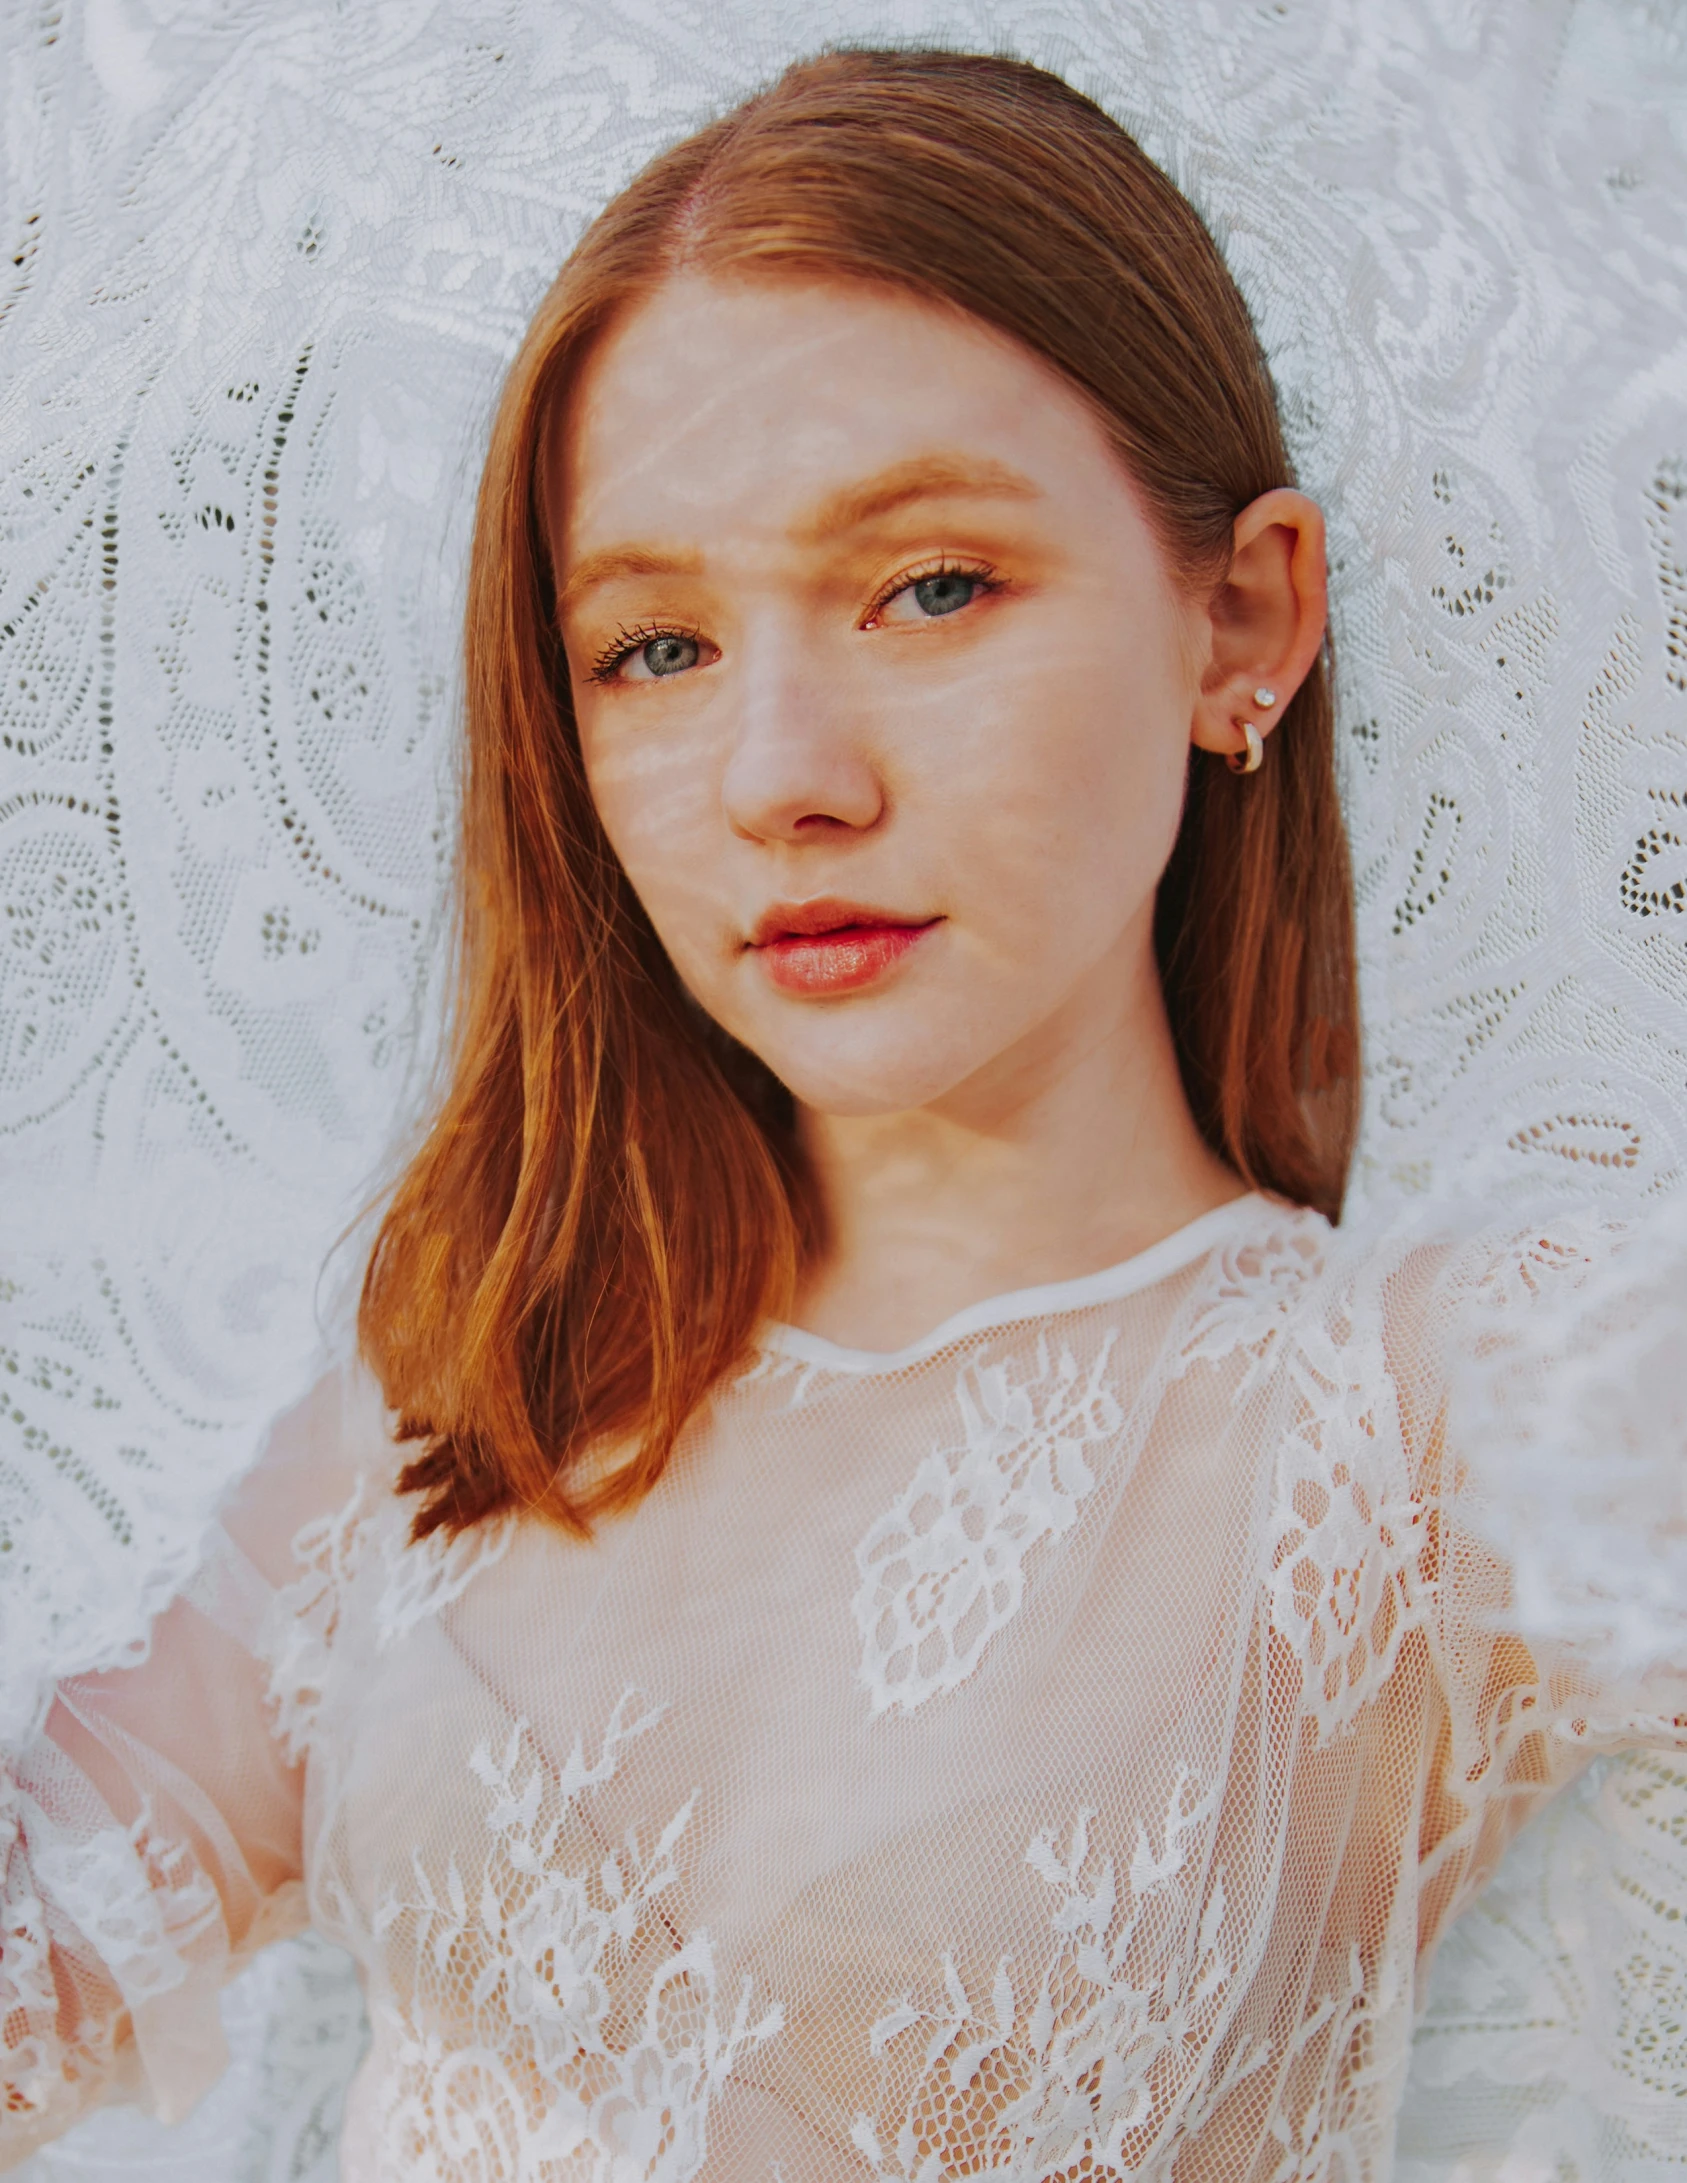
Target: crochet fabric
(263, 267)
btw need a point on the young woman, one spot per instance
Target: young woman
(924, 1618)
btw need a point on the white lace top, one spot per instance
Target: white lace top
(1045, 1754)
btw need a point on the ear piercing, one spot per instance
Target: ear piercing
(1251, 760)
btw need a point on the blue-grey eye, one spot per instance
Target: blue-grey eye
(669, 655)
(944, 594)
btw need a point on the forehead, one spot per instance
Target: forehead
(719, 403)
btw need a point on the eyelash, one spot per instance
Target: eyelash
(627, 641)
(943, 564)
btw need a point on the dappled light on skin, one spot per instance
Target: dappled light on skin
(794, 461)
(768, 1733)
(887, 638)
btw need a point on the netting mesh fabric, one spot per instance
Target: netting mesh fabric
(264, 267)
(1043, 1753)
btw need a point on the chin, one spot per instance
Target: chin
(861, 1084)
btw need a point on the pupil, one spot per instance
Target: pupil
(667, 655)
(943, 594)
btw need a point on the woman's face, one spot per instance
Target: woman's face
(883, 684)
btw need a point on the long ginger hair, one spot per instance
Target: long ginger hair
(612, 1194)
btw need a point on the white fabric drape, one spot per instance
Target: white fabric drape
(263, 267)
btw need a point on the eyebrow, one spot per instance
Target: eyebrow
(921, 477)
(615, 561)
(853, 508)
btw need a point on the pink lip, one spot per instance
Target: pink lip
(831, 947)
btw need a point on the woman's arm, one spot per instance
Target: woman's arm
(1542, 1380)
(150, 1836)
(1568, 1402)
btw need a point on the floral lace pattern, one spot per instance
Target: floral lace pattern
(1645, 1958)
(220, 911)
(1129, 1872)
(36, 2073)
(599, 2039)
(1579, 1323)
(1347, 1529)
(304, 1619)
(423, 1579)
(1568, 1979)
(1256, 1284)
(1067, 2078)
(125, 1904)
(944, 1569)
(139, 1902)
(1357, 2034)
(416, 1581)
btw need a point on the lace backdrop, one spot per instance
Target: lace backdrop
(264, 264)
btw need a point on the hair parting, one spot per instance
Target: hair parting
(611, 1196)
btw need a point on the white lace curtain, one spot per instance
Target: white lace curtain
(263, 262)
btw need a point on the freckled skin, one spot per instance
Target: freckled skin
(1014, 768)
(789, 719)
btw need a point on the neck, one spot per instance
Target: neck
(1070, 1152)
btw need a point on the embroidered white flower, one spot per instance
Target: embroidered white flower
(593, 2036)
(140, 1902)
(36, 2073)
(1253, 1290)
(417, 1580)
(1347, 1533)
(1067, 2078)
(944, 1568)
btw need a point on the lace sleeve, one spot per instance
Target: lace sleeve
(1550, 2040)
(1541, 1386)
(1568, 1414)
(150, 1836)
(1539, 1378)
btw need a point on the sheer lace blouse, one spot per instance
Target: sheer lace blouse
(1046, 1753)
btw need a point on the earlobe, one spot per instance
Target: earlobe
(1238, 739)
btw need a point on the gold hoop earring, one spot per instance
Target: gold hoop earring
(1251, 759)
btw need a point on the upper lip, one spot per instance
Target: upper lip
(804, 920)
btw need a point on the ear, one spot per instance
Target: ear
(1265, 621)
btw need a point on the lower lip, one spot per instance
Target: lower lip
(838, 962)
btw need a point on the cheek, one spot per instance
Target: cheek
(1064, 809)
(658, 797)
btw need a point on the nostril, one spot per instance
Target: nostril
(801, 795)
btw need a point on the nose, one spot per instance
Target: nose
(800, 768)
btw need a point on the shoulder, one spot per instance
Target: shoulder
(321, 1519)
(1447, 1286)
(1257, 1285)
(331, 1448)
(1567, 1407)
(1427, 1270)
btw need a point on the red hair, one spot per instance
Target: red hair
(612, 1196)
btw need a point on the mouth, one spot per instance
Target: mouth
(828, 946)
